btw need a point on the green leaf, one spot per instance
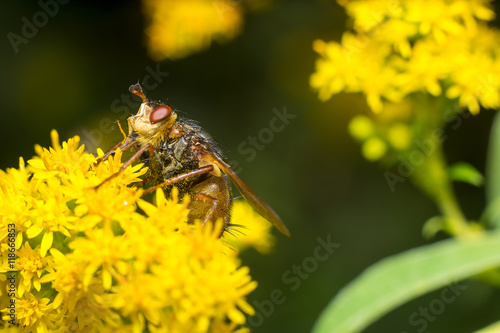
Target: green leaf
(432, 226)
(403, 277)
(464, 172)
(493, 173)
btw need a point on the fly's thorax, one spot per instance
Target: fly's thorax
(175, 156)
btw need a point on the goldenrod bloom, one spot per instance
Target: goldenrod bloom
(91, 260)
(399, 48)
(34, 314)
(178, 28)
(256, 231)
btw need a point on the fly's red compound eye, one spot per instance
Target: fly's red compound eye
(160, 113)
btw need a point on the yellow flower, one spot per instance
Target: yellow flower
(369, 14)
(31, 265)
(330, 79)
(255, 233)
(194, 286)
(355, 65)
(90, 312)
(478, 81)
(15, 203)
(438, 18)
(33, 315)
(424, 69)
(178, 28)
(103, 250)
(404, 47)
(105, 260)
(398, 33)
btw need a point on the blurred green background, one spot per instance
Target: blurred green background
(74, 74)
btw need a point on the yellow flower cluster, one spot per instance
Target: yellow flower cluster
(400, 47)
(178, 28)
(104, 259)
(256, 231)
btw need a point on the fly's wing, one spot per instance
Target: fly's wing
(251, 197)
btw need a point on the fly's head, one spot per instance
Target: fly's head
(153, 121)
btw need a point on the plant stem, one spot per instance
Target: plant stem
(433, 178)
(432, 175)
(456, 222)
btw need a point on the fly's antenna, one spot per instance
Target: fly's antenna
(137, 89)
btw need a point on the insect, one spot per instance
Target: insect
(180, 153)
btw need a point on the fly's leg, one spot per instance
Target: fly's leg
(128, 162)
(200, 197)
(144, 181)
(122, 145)
(180, 177)
(109, 152)
(169, 181)
(210, 201)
